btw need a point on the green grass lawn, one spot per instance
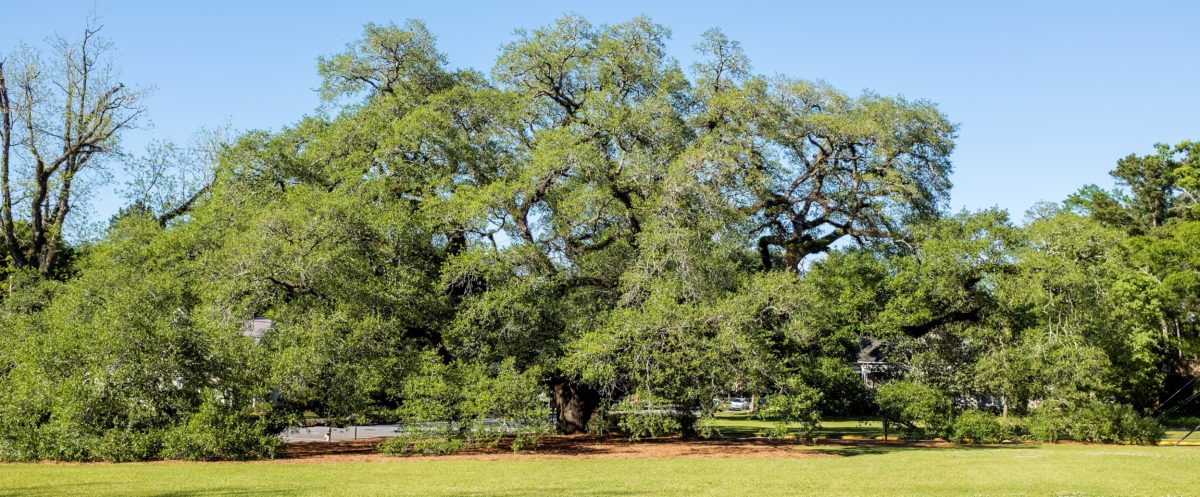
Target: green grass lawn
(1052, 470)
(1055, 470)
(742, 424)
(1175, 434)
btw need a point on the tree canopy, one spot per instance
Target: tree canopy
(588, 223)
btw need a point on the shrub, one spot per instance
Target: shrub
(647, 415)
(1047, 425)
(128, 445)
(524, 441)
(707, 427)
(217, 431)
(451, 441)
(1015, 427)
(978, 427)
(17, 448)
(62, 440)
(1096, 422)
(114, 367)
(599, 424)
(1184, 422)
(473, 404)
(504, 402)
(920, 409)
(1112, 423)
(799, 404)
(424, 444)
(214, 431)
(845, 394)
(648, 423)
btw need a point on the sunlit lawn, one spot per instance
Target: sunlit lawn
(1053, 470)
(1057, 470)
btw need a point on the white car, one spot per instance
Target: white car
(738, 404)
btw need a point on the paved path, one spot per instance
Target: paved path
(317, 433)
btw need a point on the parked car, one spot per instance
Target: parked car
(739, 404)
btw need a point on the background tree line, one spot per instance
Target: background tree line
(591, 222)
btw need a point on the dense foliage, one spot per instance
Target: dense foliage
(593, 228)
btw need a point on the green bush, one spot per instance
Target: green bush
(525, 441)
(430, 444)
(708, 427)
(18, 448)
(62, 440)
(646, 415)
(845, 394)
(648, 423)
(599, 424)
(798, 404)
(1095, 422)
(1047, 425)
(111, 365)
(452, 440)
(214, 432)
(1184, 422)
(921, 410)
(218, 432)
(128, 446)
(1015, 427)
(976, 426)
(476, 405)
(1112, 423)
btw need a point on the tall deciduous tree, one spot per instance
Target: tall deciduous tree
(63, 114)
(170, 178)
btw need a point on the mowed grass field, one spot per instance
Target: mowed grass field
(1063, 470)
(1052, 470)
(742, 424)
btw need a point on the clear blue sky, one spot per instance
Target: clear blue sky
(1048, 96)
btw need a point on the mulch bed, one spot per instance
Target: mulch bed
(586, 446)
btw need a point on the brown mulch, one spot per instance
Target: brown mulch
(585, 447)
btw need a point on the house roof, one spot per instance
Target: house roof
(257, 328)
(870, 351)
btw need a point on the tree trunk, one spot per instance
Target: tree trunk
(575, 404)
(6, 215)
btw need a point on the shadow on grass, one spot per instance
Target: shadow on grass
(877, 447)
(823, 432)
(551, 491)
(731, 443)
(91, 489)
